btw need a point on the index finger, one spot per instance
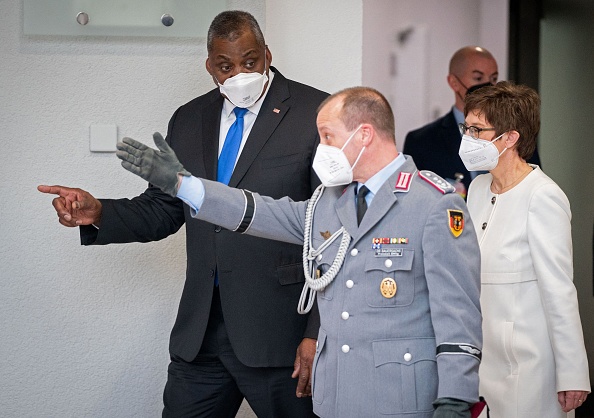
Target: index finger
(58, 190)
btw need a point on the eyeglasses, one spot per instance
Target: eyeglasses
(473, 131)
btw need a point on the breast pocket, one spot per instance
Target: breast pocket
(389, 281)
(405, 377)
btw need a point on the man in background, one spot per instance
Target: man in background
(237, 333)
(435, 146)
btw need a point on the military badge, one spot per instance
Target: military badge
(325, 234)
(456, 222)
(379, 244)
(389, 241)
(388, 288)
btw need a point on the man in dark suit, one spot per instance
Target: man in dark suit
(435, 146)
(237, 332)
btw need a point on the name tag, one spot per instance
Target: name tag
(388, 252)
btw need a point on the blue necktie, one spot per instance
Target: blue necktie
(229, 154)
(231, 147)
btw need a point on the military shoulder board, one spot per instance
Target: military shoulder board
(436, 181)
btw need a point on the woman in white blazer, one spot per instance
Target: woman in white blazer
(534, 361)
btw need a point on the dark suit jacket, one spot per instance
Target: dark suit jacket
(259, 280)
(435, 147)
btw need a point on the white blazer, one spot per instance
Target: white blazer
(533, 346)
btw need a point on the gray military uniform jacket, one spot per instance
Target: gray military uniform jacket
(401, 322)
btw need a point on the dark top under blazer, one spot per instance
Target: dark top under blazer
(259, 280)
(435, 147)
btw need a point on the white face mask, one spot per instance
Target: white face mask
(479, 154)
(244, 89)
(332, 165)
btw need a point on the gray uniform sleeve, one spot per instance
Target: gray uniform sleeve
(249, 213)
(452, 269)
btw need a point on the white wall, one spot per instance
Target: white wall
(317, 42)
(84, 330)
(448, 26)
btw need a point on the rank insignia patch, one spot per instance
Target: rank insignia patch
(456, 222)
(403, 182)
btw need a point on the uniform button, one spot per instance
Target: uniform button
(350, 284)
(218, 228)
(484, 226)
(346, 348)
(493, 199)
(319, 258)
(354, 252)
(388, 263)
(212, 273)
(345, 315)
(408, 357)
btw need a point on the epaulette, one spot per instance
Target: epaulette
(436, 181)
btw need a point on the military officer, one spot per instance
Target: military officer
(390, 250)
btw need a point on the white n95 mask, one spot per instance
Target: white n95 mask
(244, 89)
(332, 165)
(479, 154)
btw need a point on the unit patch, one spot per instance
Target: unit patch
(456, 221)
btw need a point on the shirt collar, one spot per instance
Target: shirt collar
(458, 115)
(255, 108)
(378, 179)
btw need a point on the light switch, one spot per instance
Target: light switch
(103, 138)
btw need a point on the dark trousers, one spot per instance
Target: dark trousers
(215, 383)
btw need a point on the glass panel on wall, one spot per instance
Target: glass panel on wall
(165, 18)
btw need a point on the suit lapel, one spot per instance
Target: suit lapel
(271, 113)
(211, 116)
(450, 135)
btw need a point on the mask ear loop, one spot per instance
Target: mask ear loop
(349, 140)
(351, 137)
(496, 139)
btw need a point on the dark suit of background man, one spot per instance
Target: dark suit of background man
(238, 337)
(435, 146)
